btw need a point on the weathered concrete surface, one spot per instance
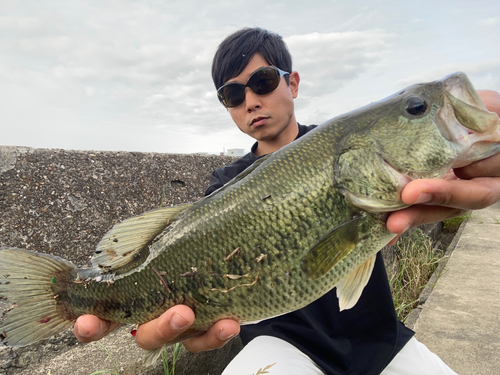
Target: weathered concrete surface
(62, 202)
(56, 357)
(460, 321)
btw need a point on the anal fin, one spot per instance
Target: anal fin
(350, 289)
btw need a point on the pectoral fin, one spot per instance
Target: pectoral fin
(349, 290)
(125, 241)
(331, 249)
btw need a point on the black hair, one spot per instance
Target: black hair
(237, 50)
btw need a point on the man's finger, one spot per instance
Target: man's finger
(167, 327)
(411, 217)
(489, 167)
(90, 328)
(216, 337)
(462, 194)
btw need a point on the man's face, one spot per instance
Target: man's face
(264, 117)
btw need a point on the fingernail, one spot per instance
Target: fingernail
(82, 332)
(225, 335)
(178, 322)
(423, 198)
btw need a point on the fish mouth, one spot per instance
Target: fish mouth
(465, 121)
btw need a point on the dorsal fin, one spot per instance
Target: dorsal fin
(126, 239)
(331, 249)
(349, 290)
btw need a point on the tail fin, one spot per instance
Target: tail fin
(27, 282)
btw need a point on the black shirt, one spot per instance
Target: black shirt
(362, 340)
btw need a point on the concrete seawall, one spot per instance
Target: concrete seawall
(62, 202)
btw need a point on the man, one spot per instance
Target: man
(317, 339)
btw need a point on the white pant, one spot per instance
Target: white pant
(264, 351)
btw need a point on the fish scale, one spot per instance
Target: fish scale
(269, 226)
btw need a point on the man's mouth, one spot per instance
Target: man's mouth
(258, 121)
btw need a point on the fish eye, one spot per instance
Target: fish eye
(415, 105)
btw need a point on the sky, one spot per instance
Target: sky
(136, 75)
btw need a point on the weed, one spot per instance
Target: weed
(176, 352)
(112, 361)
(414, 263)
(162, 196)
(452, 225)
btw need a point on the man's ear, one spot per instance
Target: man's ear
(294, 83)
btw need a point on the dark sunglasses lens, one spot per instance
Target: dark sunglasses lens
(261, 82)
(232, 95)
(264, 81)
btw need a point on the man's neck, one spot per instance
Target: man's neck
(287, 136)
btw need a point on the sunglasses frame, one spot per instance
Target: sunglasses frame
(220, 91)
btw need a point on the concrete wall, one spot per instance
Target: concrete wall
(62, 202)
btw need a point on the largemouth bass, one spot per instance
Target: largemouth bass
(296, 224)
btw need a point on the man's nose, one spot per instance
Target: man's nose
(252, 100)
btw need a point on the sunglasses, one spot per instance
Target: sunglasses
(263, 81)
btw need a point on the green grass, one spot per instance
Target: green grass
(162, 196)
(112, 361)
(167, 370)
(176, 352)
(414, 263)
(452, 225)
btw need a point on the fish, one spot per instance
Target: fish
(297, 223)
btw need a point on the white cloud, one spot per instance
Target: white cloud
(330, 60)
(489, 21)
(481, 73)
(22, 24)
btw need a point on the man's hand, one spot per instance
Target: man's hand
(159, 331)
(175, 321)
(437, 200)
(472, 187)
(90, 328)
